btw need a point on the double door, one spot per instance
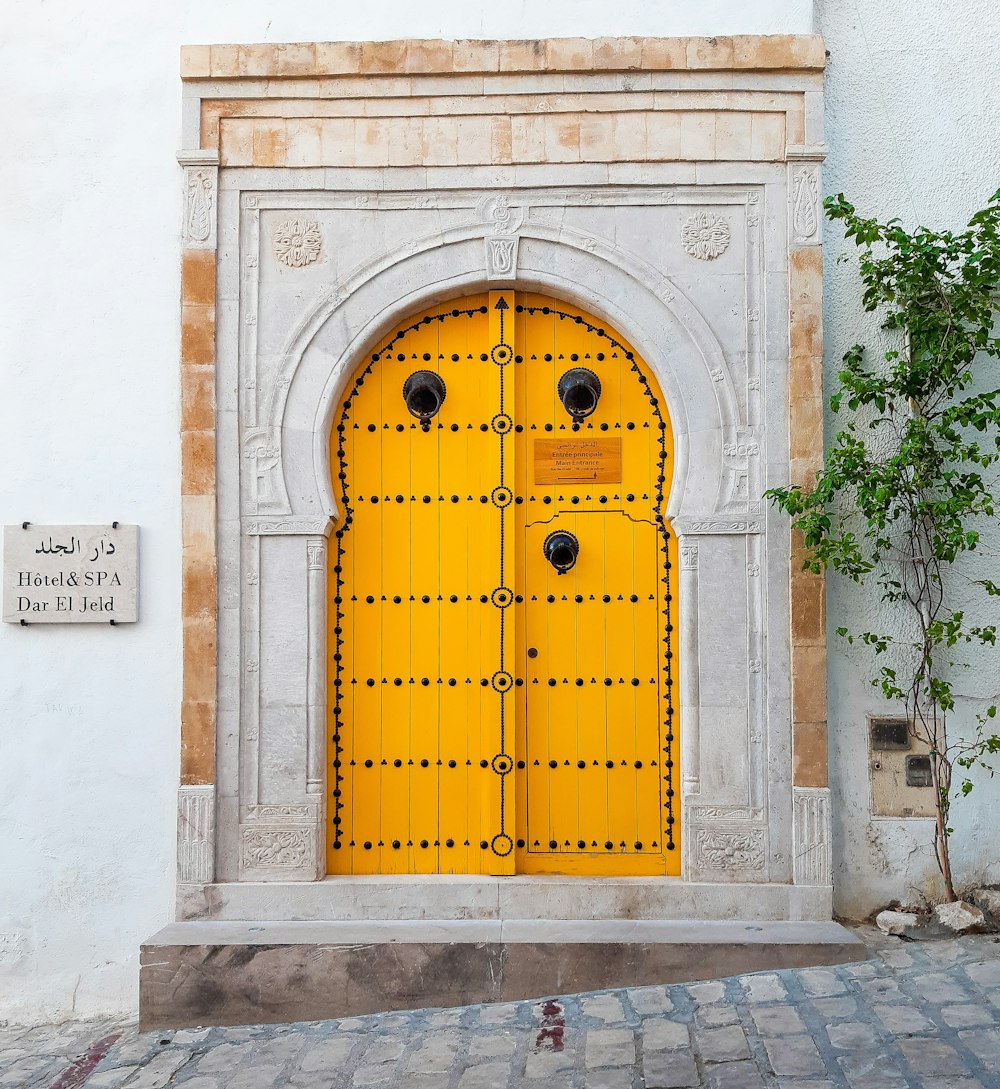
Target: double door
(502, 684)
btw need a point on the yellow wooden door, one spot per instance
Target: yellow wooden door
(487, 712)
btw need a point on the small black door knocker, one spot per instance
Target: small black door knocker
(579, 390)
(424, 393)
(561, 550)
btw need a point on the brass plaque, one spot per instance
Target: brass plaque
(578, 461)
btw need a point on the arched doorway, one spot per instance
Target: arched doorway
(502, 689)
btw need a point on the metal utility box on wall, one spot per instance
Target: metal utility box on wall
(899, 768)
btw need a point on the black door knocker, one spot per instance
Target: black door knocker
(579, 390)
(561, 550)
(424, 393)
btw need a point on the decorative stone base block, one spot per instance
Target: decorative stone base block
(217, 973)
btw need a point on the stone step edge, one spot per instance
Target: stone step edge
(506, 931)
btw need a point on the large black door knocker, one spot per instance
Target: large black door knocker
(424, 393)
(561, 550)
(579, 390)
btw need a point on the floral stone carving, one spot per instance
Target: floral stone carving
(705, 235)
(298, 242)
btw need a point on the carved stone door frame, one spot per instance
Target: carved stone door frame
(671, 186)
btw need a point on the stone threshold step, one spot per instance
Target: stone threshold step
(229, 973)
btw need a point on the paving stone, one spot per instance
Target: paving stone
(927, 1055)
(882, 989)
(985, 1045)
(223, 1058)
(821, 983)
(851, 1035)
(114, 1079)
(326, 1054)
(603, 1006)
(871, 1072)
(485, 1076)
(901, 1019)
(967, 1016)
(372, 1075)
(300, 1079)
(197, 1082)
(794, 1055)
(161, 1069)
(279, 1050)
(735, 1076)
(543, 1064)
(491, 1046)
(499, 1013)
(384, 1049)
(711, 1016)
(764, 988)
(939, 988)
(657, 1035)
(26, 1071)
(189, 1037)
(610, 1047)
(835, 1007)
(251, 1077)
(896, 958)
(669, 1070)
(986, 973)
(609, 1079)
(650, 1000)
(776, 1020)
(950, 1083)
(133, 1049)
(436, 1056)
(805, 1083)
(702, 994)
(722, 1044)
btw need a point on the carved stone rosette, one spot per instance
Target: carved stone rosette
(726, 843)
(280, 843)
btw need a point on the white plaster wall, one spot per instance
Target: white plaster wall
(910, 115)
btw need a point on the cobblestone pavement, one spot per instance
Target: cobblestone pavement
(916, 1015)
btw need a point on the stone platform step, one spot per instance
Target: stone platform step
(230, 973)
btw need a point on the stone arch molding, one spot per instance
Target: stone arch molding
(650, 310)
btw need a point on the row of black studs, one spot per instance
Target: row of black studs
(581, 844)
(424, 762)
(371, 682)
(426, 599)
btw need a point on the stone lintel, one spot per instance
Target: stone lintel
(317, 60)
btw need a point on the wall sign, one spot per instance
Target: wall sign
(578, 461)
(70, 574)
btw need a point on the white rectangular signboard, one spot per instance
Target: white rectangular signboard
(70, 574)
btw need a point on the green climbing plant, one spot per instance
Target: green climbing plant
(908, 485)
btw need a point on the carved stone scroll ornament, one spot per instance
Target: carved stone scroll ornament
(199, 204)
(705, 235)
(298, 242)
(805, 204)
